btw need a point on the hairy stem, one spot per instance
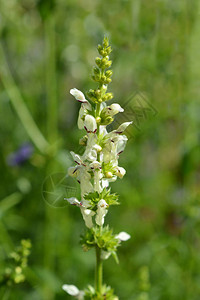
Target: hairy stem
(99, 270)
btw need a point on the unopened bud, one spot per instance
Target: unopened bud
(98, 61)
(108, 64)
(98, 120)
(109, 73)
(105, 42)
(108, 175)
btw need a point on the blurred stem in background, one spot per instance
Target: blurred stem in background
(52, 133)
(49, 150)
(50, 53)
(19, 105)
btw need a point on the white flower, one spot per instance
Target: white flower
(85, 105)
(84, 180)
(90, 124)
(114, 109)
(82, 112)
(78, 95)
(90, 151)
(77, 159)
(72, 290)
(120, 172)
(87, 216)
(73, 201)
(101, 212)
(72, 171)
(95, 165)
(123, 236)
(122, 127)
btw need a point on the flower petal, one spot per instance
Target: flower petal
(87, 216)
(123, 236)
(114, 109)
(90, 124)
(73, 201)
(78, 95)
(71, 289)
(101, 212)
(122, 127)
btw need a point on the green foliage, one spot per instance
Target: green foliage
(95, 197)
(101, 237)
(156, 51)
(16, 265)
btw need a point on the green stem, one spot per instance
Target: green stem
(51, 86)
(99, 271)
(20, 106)
(52, 133)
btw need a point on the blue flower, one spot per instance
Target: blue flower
(18, 157)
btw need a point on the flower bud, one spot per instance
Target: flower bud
(108, 175)
(98, 120)
(97, 148)
(98, 61)
(108, 50)
(105, 42)
(109, 73)
(90, 124)
(107, 97)
(108, 64)
(96, 71)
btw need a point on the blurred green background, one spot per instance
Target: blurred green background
(49, 47)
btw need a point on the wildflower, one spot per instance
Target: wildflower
(72, 290)
(21, 155)
(123, 236)
(101, 212)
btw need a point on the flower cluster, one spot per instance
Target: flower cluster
(98, 166)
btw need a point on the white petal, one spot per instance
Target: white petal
(114, 109)
(102, 203)
(76, 158)
(120, 172)
(72, 171)
(123, 236)
(78, 95)
(95, 165)
(90, 124)
(73, 201)
(82, 111)
(122, 127)
(71, 289)
(97, 148)
(87, 216)
(101, 212)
